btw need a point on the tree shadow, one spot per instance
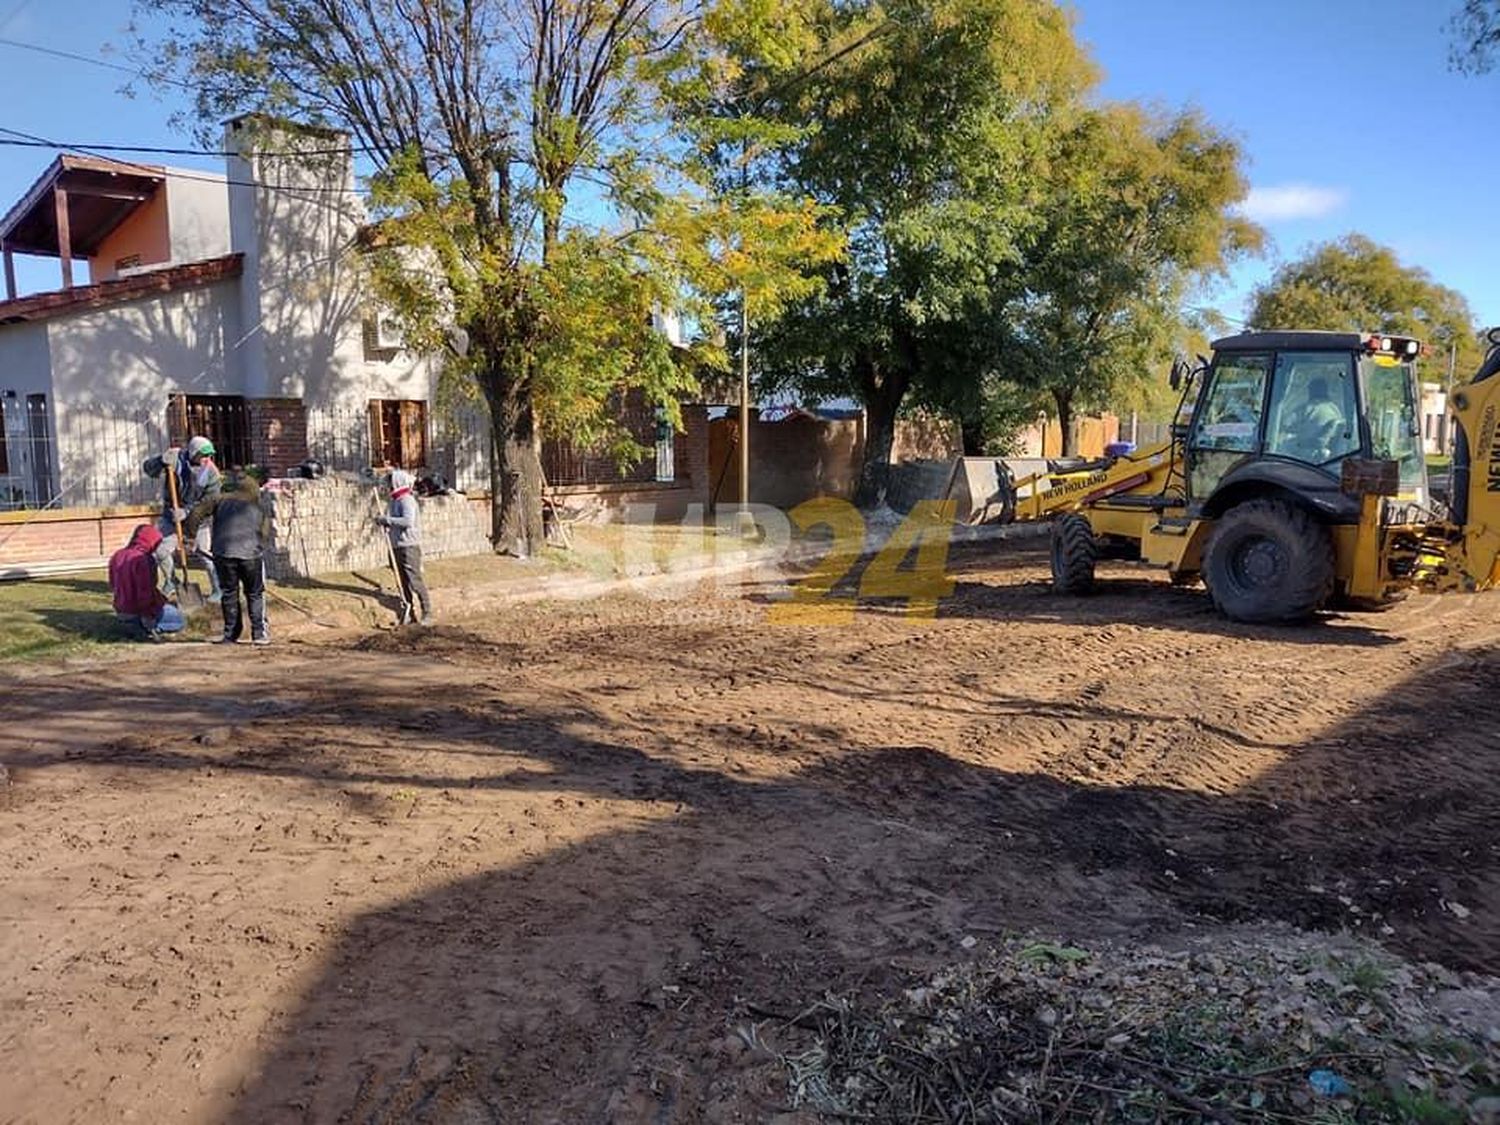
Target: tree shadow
(599, 981)
(1147, 603)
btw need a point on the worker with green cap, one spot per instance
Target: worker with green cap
(198, 478)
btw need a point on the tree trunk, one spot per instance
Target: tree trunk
(875, 469)
(515, 469)
(882, 397)
(1064, 401)
(972, 430)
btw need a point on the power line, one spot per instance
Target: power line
(29, 140)
(25, 140)
(105, 63)
(20, 7)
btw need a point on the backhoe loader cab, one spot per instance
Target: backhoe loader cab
(1294, 478)
(1279, 414)
(1294, 470)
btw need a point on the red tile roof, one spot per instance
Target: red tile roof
(151, 283)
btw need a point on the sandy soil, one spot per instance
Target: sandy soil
(540, 866)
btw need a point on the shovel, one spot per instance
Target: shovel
(189, 594)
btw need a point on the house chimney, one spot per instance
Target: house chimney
(294, 214)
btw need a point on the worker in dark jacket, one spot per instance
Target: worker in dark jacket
(132, 583)
(197, 479)
(404, 523)
(240, 528)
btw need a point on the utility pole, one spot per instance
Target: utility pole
(1448, 399)
(746, 521)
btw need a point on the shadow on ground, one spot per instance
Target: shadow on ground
(600, 981)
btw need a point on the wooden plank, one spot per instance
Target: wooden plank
(10, 275)
(64, 238)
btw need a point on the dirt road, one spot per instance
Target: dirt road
(540, 866)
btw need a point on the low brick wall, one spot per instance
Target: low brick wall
(329, 524)
(317, 526)
(69, 535)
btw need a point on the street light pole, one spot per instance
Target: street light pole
(1448, 399)
(746, 522)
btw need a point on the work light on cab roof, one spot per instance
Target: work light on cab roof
(1397, 347)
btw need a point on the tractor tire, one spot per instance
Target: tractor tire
(1268, 561)
(1074, 552)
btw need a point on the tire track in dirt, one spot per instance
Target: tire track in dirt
(535, 865)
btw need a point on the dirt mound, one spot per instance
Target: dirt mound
(1229, 1029)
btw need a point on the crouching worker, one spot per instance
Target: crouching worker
(404, 523)
(239, 529)
(132, 582)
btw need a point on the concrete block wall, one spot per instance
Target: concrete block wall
(328, 524)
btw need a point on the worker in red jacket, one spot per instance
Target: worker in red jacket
(132, 582)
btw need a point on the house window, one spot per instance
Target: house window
(398, 433)
(223, 419)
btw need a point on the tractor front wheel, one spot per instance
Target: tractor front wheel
(1268, 561)
(1074, 552)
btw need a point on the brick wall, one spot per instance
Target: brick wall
(790, 461)
(690, 453)
(329, 524)
(278, 433)
(70, 535)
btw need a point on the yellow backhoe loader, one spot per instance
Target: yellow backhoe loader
(1294, 480)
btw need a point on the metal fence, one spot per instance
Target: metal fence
(340, 439)
(88, 458)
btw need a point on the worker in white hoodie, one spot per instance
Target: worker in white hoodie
(404, 522)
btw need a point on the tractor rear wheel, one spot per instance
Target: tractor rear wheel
(1074, 552)
(1268, 561)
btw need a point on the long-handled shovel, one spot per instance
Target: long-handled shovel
(189, 594)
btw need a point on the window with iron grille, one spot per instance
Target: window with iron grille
(223, 419)
(398, 433)
(564, 462)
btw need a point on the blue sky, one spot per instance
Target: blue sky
(1348, 113)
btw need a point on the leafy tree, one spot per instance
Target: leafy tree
(531, 189)
(926, 122)
(1354, 284)
(1138, 212)
(1476, 36)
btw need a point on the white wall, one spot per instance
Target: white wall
(295, 218)
(113, 370)
(197, 215)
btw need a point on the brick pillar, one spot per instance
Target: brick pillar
(278, 433)
(691, 452)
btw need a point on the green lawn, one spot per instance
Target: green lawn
(48, 618)
(71, 615)
(63, 616)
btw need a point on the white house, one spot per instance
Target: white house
(231, 305)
